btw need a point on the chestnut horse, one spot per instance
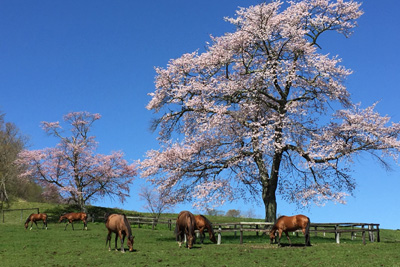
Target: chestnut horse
(74, 216)
(203, 223)
(185, 226)
(36, 217)
(289, 224)
(118, 224)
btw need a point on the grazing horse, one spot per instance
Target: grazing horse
(118, 224)
(203, 223)
(74, 216)
(289, 224)
(36, 217)
(185, 226)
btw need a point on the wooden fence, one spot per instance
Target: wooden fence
(372, 229)
(22, 218)
(150, 221)
(336, 228)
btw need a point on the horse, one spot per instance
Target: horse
(291, 223)
(203, 223)
(74, 216)
(36, 217)
(185, 226)
(118, 224)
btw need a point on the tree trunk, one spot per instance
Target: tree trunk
(269, 198)
(81, 203)
(270, 186)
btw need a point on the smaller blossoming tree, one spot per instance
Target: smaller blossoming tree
(74, 168)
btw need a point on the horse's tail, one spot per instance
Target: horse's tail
(307, 234)
(106, 215)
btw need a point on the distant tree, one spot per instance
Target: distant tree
(11, 143)
(73, 167)
(233, 213)
(156, 202)
(214, 212)
(262, 112)
(249, 214)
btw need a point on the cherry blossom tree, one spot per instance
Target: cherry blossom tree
(262, 110)
(74, 168)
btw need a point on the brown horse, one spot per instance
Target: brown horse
(203, 223)
(74, 216)
(289, 224)
(36, 217)
(185, 226)
(118, 224)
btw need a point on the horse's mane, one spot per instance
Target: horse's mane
(128, 226)
(27, 220)
(277, 220)
(208, 222)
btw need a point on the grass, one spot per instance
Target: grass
(56, 247)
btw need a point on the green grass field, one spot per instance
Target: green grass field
(56, 247)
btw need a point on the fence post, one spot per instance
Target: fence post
(337, 234)
(154, 221)
(378, 234)
(169, 224)
(219, 235)
(241, 234)
(371, 233)
(363, 236)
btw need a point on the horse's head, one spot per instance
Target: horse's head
(190, 240)
(212, 238)
(272, 235)
(62, 217)
(131, 240)
(26, 225)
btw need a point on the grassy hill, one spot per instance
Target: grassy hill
(20, 247)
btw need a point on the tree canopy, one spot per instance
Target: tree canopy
(73, 168)
(263, 111)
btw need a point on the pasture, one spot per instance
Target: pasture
(56, 247)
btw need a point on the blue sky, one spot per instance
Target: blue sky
(99, 56)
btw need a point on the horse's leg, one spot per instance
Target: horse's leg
(72, 224)
(280, 236)
(181, 238)
(287, 235)
(116, 239)
(31, 225)
(186, 242)
(66, 225)
(85, 224)
(202, 236)
(108, 240)
(122, 237)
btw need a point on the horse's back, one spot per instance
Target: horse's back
(116, 222)
(186, 220)
(292, 223)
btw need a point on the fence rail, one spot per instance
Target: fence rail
(264, 227)
(150, 221)
(336, 228)
(22, 217)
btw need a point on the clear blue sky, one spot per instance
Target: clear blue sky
(99, 56)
